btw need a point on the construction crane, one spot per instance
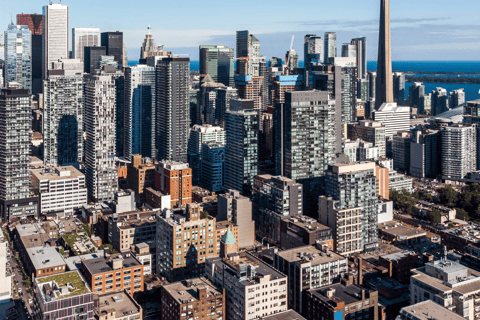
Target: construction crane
(287, 67)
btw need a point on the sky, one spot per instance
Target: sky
(421, 29)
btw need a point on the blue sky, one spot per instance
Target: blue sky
(421, 29)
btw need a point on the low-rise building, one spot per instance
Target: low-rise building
(340, 301)
(61, 190)
(423, 209)
(222, 227)
(472, 256)
(44, 261)
(399, 265)
(113, 272)
(143, 255)
(197, 297)
(399, 182)
(459, 238)
(140, 175)
(132, 228)
(302, 231)
(308, 268)
(26, 236)
(116, 306)
(124, 201)
(385, 211)
(286, 315)
(400, 234)
(427, 310)
(156, 199)
(62, 296)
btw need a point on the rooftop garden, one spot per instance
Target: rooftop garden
(71, 278)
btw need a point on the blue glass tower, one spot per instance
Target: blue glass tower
(18, 56)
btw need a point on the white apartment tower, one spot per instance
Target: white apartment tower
(55, 35)
(84, 37)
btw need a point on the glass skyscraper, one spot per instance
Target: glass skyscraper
(18, 56)
(217, 61)
(84, 37)
(330, 46)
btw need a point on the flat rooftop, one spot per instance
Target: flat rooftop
(349, 294)
(119, 302)
(286, 315)
(309, 254)
(397, 256)
(67, 172)
(101, 265)
(185, 291)
(307, 223)
(75, 262)
(396, 229)
(72, 282)
(30, 229)
(45, 257)
(469, 232)
(428, 310)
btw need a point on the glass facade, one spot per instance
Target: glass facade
(18, 56)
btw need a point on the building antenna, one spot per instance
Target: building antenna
(149, 28)
(11, 17)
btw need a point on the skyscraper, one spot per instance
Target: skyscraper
(349, 50)
(113, 42)
(384, 85)
(217, 61)
(84, 37)
(140, 111)
(35, 25)
(241, 150)
(55, 35)
(15, 126)
(222, 104)
(399, 88)
(63, 105)
(213, 163)
(101, 173)
(312, 50)
(148, 45)
(173, 106)
(439, 101)
(330, 46)
(18, 56)
(361, 54)
(459, 151)
(416, 95)
(92, 58)
(456, 98)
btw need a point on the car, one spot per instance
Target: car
(30, 301)
(20, 290)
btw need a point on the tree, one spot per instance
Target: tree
(447, 196)
(204, 215)
(435, 216)
(462, 214)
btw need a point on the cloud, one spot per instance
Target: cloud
(361, 23)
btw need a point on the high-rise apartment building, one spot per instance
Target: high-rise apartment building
(305, 140)
(456, 98)
(173, 106)
(113, 42)
(416, 93)
(361, 55)
(424, 153)
(459, 151)
(234, 207)
(218, 62)
(184, 243)
(275, 198)
(384, 85)
(349, 50)
(394, 118)
(329, 46)
(439, 101)
(349, 87)
(222, 103)
(213, 165)
(139, 111)
(84, 37)
(63, 110)
(101, 172)
(15, 126)
(399, 88)
(35, 25)
(350, 206)
(401, 151)
(241, 149)
(18, 56)
(174, 179)
(55, 35)
(200, 135)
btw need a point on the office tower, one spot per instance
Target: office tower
(18, 56)
(305, 139)
(206, 101)
(55, 35)
(424, 153)
(101, 172)
(149, 52)
(312, 50)
(113, 42)
(350, 206)
(188, 262)
(247, 45)
(361, 55)
(174, 179)
(275, 198)
(200, 135)
(456, 98)
(330, 46)
(241, 149)
(363, 92)
(439, 101)
(139, 111)
(63, 111)
(5, 280)
(234, 207)
(222, 104)
(372, 82)
(173, 106)
(213, 163)
(459, 151)
(399, 88)
(218, 62)
(92, 57)
(384, 85)
(349, 87)
(84, 37)
(393, 117)
(35, 25)
(349, 50)
(250, 282)
(401, 151)
(148, 45)
(15, 125)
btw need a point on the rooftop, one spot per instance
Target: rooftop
(470, 232)
(57, 173)
(173, 165)
(307, 223)
(119, 302)
(187, 291)
(398, 230)
(309, 254)
(45, 257)
(286, 315)
(101, 265)
(428, 310)
(75, 262)
(29, 229)
(397, 256)
(349, 294)
(61, 286)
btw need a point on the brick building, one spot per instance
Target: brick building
(140, 175)
(399, 265)
(301, 231)
(175, 179)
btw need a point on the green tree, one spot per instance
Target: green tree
(447, 196)
(435, 216)
(462, 214)
(204, 215)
